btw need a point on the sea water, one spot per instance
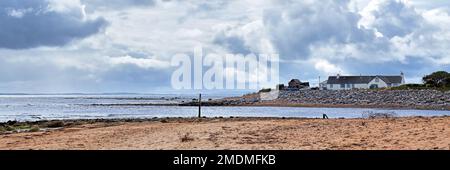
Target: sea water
(58, 107)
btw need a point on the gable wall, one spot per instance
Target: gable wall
(380, 83)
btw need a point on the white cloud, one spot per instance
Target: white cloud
(145, 63)
(38, 23)
(327, 67)
(390, 17)
(19, 13)
(326, 37)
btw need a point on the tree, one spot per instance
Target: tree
(437, 79)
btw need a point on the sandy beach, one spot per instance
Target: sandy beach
(241, 133)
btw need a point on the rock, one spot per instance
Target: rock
(401, 98)
(429, 98)
(11, 122)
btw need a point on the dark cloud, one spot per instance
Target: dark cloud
(394, 18)
(329, 31)
(28, 75)
(31, 23)
(135, 78)
(234, 44)
(294, 29)
(304, 33)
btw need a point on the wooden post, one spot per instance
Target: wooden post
(200, 106)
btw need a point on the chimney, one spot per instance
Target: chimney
(338, 75)
(403, 77)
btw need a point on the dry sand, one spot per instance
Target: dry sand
(244, 133)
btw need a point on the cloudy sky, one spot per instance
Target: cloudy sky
(50, 46)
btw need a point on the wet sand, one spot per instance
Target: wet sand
(409, 133)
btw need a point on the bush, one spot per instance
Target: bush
(34, 129)
(9, 128)
(439, 79)
(11, 122)
(410, 87)
(186, 138)
(375, 115)
(419, 87)
(265, 90)
(55, 124)
(21, 126)
(2, 129)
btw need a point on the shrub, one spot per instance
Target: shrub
(22, 126)
(9, 128)
(265, 90)
(2, 129)
(11, 122)
(34, 129)
(409, 86)
(186, 138)
(438, 79)
(55, 124)
(374, 115)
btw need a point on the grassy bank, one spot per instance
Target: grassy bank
(419, 87)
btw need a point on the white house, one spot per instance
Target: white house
(362, 82)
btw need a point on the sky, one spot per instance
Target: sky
(100, 46)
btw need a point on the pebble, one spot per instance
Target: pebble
(405, 98)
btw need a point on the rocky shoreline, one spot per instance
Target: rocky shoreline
(12, 127)
(410, 99)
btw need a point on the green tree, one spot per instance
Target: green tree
(437, 79)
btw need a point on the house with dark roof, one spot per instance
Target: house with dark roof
(362, 82)
(296, 84)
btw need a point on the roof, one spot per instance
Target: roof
(295, 81)
(362, 79)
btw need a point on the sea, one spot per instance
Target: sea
(35, 107)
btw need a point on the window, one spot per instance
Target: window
(349, 86)
(377, 80)
(331, 86)
(373, 86)
(353, 86)
(342, 86)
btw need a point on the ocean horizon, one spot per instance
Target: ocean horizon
(35, 107)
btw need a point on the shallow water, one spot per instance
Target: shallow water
(51, 107)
